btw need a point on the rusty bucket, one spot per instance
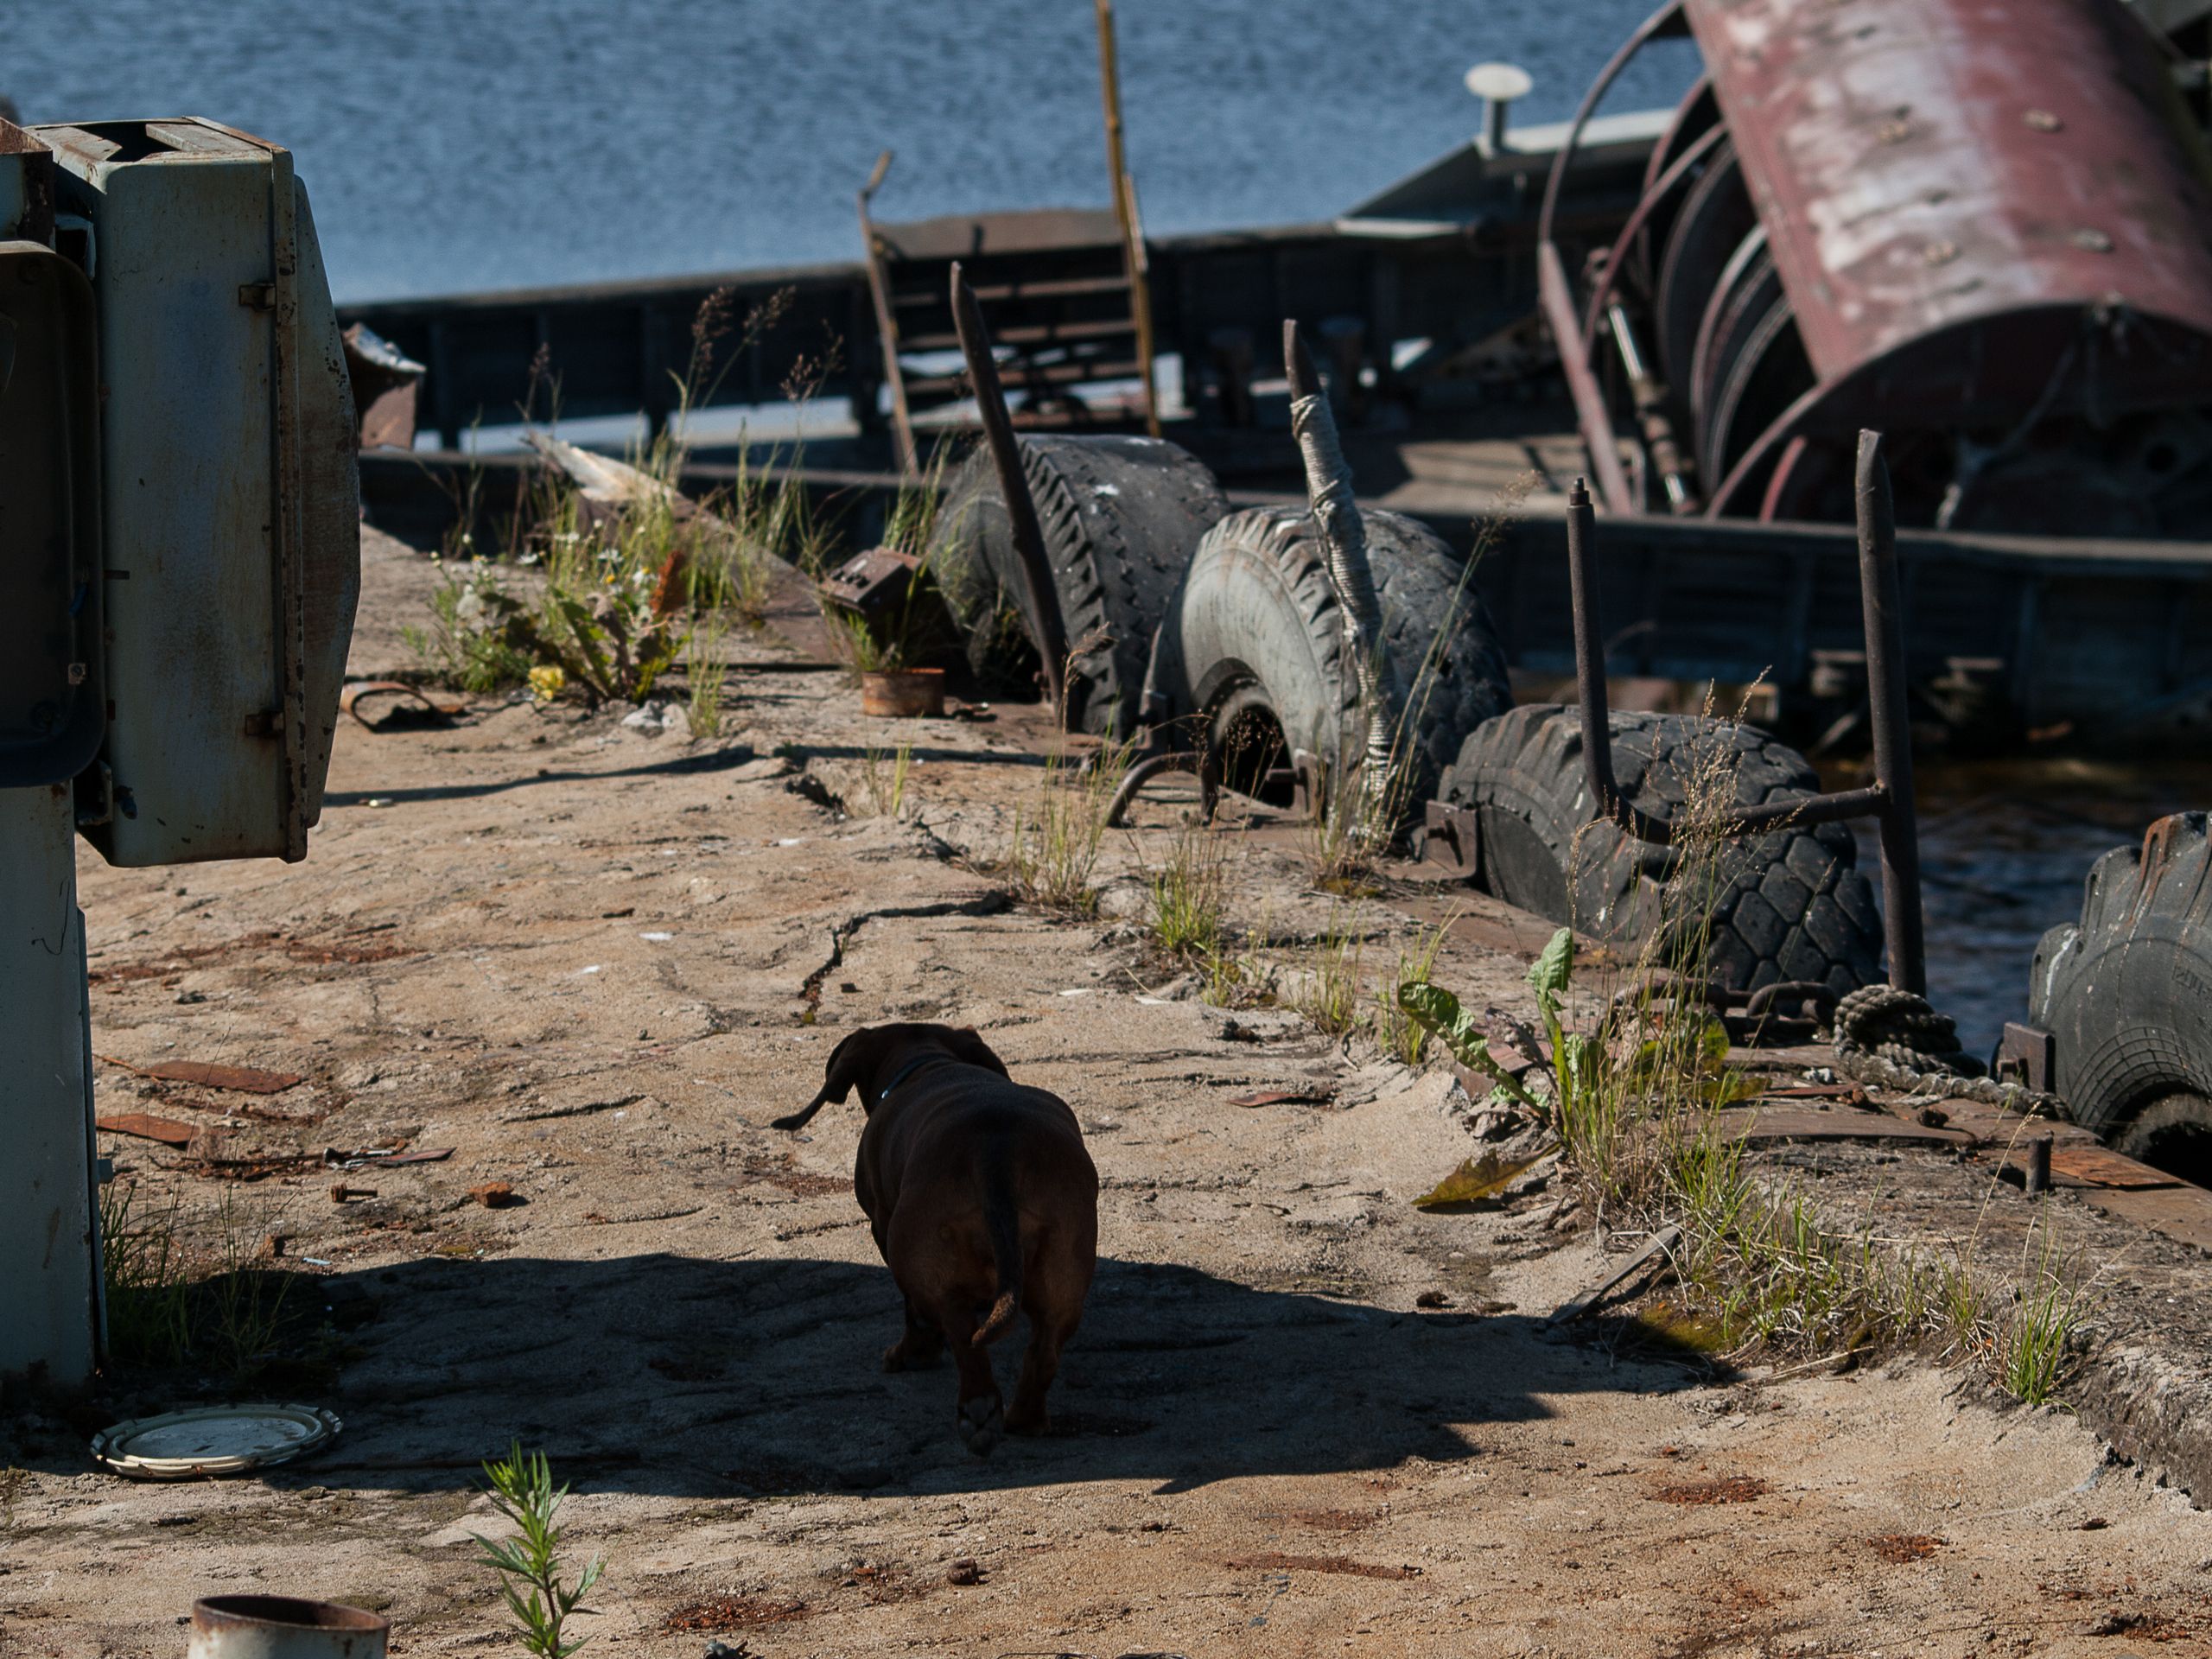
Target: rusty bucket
(283, 1627)
(903, 693)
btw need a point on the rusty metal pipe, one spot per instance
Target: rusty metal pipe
(1047, 631)
(1635, 44)
(1885, 621)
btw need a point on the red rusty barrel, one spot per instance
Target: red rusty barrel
(1983, 215)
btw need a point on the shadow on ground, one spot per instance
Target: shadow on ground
(675, 1376)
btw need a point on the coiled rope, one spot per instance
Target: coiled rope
(1894, 1039)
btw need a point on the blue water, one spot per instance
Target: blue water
(449, 147)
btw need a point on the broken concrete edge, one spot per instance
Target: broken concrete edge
(2151, 1412)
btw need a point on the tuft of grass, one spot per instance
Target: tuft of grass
(1634, 1106)
(1056, 838)
(170, 1303)
(884, 778)
(1189, 898)
(2037, 1349)
(529, 1564)
(148, 1288)
(705, 676)
(1329, 995)
(1402, 1036)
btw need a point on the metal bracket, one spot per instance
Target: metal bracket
(1452, 837)
(2027, 1055)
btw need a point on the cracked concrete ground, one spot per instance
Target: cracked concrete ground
(594, 963)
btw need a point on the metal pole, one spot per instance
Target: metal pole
(1877, 585)
(1343, 537)
(1125, 211)
(49, 1245)
(887, 324)
(1041, 598)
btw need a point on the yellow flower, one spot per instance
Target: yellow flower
(545, 683)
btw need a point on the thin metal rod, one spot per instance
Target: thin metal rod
(886, 325)
(1135, 266)
(1556, 296)
(1040, 598)
(1201, 760)
(1878, 587)
(1605, 798)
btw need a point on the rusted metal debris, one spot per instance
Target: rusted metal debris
(244, 1079)
(167, 1130)
(424, 708)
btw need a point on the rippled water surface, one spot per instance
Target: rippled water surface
(454, 147)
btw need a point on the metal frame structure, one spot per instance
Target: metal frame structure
(1888, 799)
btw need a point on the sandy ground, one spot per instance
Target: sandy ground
(594, 961)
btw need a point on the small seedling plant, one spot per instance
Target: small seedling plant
(529, 1564)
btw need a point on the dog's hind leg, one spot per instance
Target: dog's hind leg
(982, 1419)
(918, 1348)
(1039, 1364)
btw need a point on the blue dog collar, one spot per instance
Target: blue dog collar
(906, 1071)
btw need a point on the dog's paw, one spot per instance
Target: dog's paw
(983, 1421)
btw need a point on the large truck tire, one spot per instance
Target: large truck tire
(1255, 632)
(1788, 904)
(2127, 992)
(1120, 517)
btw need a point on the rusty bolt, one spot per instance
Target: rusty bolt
(341, 1193)
(2037, 1179)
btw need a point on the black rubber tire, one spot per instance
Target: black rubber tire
(2128, 990)
(1121, 517)
(1256, 615)
(1790, 905)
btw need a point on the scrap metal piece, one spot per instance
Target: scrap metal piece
(386, 383)
(167, 1130)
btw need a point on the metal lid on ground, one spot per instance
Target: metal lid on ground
(212, 1440)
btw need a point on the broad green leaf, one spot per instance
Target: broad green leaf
(1556, 967)
(1474, 1181)
(1437, 1011)
(1712, 1043)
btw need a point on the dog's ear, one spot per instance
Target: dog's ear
(967, 1046)
(847, 1062)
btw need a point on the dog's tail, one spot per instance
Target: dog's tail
(1002, 1220)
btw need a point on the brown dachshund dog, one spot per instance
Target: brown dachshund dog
(982, 1200)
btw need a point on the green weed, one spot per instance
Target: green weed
(529, 1564)
(1056, 838)
(1188, 897)
(884, 777)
